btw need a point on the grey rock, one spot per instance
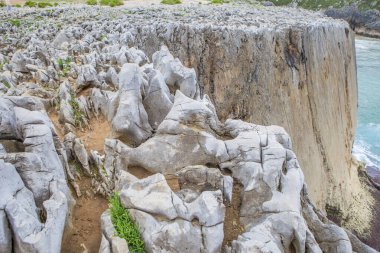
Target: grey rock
(157, 100)
(181, 135)
(131, 120)
(175, 74)
(208, 208)
(19, 62)
(81, 155)
(87, 77)
(110, 242)
(5, 234)
(42, 76)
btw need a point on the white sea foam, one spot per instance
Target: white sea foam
(361, 151)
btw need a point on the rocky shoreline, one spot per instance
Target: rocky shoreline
(92, 99)
(363, 22)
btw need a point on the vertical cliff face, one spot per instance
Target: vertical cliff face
(296, 70)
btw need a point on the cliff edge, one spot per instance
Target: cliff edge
(114, 72)
(282, 66)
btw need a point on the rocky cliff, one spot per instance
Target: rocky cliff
(290, 67)
(239, 186)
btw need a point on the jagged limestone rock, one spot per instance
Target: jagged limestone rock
(175, 231)
(130, 120)
(40, 169)
(175, 74)
(283, 68)
(110, 241)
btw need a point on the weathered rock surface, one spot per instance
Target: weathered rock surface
(33, 179)
(277, 73)
(365, 22)
(288, 67)
(273, 216)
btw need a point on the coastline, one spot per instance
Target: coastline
(367, 33)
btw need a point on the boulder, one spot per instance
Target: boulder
(130, 121)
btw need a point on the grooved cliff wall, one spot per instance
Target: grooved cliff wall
(301, 76)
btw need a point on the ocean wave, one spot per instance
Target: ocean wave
(361, 151)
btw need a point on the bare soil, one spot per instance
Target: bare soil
(141, 172)
(93, 139)
(54, 117)
(232, 226)
(85, 233)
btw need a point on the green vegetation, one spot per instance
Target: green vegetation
(125, 227)
(6, 84)
(103, 37)
(92, 2)
(30, 4)
(77, 113)
(17, 5)
(171, 2)
(15, 22)
(111, 3)
(44, 4)
(39, 4)
(64, 65)
(217, 1)
(77, 167)
(324, 4)
(2, 3)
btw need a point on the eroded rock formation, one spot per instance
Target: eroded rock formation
(270, 66)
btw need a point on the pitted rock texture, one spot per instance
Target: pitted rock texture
(35, 199)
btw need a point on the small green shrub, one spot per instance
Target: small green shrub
(15, 22)
(92, 2)
(217, 1)
(17, 5)
(6, 84)
(64, 65)
(111, 3)
(44, 4)
(171, 2)
(30, 4)
(77, 113)
(125, 226)
(2, 3)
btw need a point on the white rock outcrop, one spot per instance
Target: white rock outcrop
(35, 199)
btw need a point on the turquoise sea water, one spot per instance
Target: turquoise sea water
(367, 140)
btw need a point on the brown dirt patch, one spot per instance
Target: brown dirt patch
(85, 232)
(93, 139)
(54, 117)
(232, 225)
(141, 173)
(173, 182)
(85, 92)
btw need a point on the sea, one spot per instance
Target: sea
(367, 140)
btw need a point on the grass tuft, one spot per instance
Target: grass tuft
(15, 22)
(30, 4)
(77, 113)
(111, 3)
(171, 2)
(44, 4)
(92, 2)
(64, 65)
(217, 1)
(6, 84)
(125, 226)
